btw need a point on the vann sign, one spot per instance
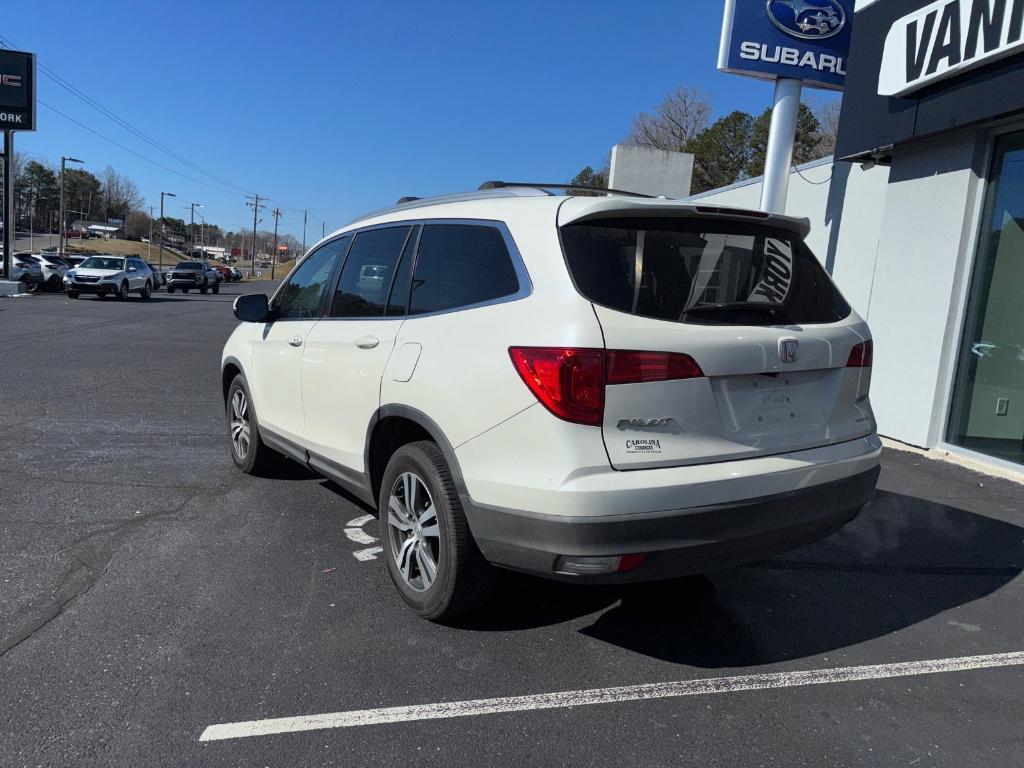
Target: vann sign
(947, 37)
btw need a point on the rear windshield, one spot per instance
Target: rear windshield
(699, 271)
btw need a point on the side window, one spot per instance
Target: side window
(368, 272)
(458, 265)
(300, 297)
(135, 264)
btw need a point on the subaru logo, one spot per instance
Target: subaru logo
(807, 19)
(787, 350)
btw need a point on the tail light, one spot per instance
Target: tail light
(570, 381)
(861, 355)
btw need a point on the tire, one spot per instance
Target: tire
(462, 580)
(122, 292)
(257, 456)
(184, 290)
(203, 290)
(147, 290)
(170, 289)
(53, 283)
(216, 287)
(72, 294)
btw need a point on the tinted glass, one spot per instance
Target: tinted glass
(988, 402)
(301, 295)
(461, 264)
(705, 272)
(398, 302)
(366, 277)
(103, 262)
(190, 265)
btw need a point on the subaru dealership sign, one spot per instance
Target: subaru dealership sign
(806, 40)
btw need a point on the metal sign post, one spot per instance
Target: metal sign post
(10, 227)
(794, 43)
(17, 113)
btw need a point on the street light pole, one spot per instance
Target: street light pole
(273, 254)
(162, 227)
(304, 215)
(63, 224)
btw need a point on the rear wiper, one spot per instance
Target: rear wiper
(773, 311)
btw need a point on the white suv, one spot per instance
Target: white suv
(597, 389)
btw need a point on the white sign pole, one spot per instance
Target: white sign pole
(781, 137)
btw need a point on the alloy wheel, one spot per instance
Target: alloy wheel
(413, 531)
(241, 430)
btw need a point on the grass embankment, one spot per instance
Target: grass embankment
(147, 251)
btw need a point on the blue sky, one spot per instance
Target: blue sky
(341, 107)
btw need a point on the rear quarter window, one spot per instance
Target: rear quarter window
(701, 271)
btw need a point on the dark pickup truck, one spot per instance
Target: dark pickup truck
(187, 275)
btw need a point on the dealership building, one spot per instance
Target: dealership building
(920, 218)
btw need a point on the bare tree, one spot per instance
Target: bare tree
(828, 121)
(121, 194)
(680, 118)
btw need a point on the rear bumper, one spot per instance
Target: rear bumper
(677, 542)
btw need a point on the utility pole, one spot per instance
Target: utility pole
(63, 214)
(163, 227)
(255, 204)
(149, 245)
(323, 229)
(192, 226)
(273, 254)
(304, 215)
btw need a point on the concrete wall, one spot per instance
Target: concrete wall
(650, 171)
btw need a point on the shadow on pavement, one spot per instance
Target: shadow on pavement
(904, 560)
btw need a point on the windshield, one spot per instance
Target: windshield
(706, 272)
(190, 265)
(103, 262)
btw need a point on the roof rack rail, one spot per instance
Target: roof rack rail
(407, 199)
(584, 187)
(410, 202)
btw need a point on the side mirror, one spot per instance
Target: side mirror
(252, 308)
(133, 269)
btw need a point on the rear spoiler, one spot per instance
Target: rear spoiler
(578, 209)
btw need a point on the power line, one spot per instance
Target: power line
(125, 124)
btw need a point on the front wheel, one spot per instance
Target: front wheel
(248, 451)
(72, 294)
(430, 553)
(216, 287)
(147, 290)
(122, 292)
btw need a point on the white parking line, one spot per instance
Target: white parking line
(624, 693)
(359, 536)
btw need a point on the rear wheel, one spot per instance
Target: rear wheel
(216, 287)
(430, 553)
(203, 290)
(53, 283)
(184, 290)
(170, 289)
(247, 449)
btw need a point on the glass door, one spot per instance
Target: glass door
(987, 412)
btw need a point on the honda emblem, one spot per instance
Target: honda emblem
(787, 350)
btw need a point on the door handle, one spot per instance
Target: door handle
(367, 342)
(295, 341)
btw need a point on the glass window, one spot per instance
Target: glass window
(987, 412)
(366, 277)
(398, 301)
(704, 272)
(300, 297)
(458, 265)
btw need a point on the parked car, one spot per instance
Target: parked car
(225, 273)
(236, 274)
(23, 269)
(53, 269)
(590, 389)
(72, 261)
(186, 275)
(110, 276)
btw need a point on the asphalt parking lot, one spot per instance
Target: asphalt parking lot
(152, 598)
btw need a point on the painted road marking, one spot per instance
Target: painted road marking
(370, 553)
(359, 522)
(358, 536)
(759, 682)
